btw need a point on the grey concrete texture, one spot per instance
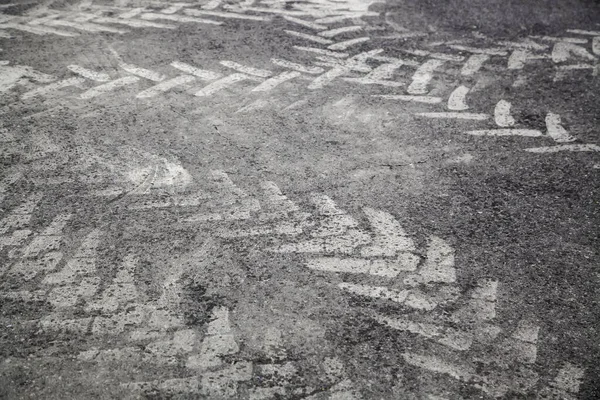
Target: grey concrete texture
(412, 215)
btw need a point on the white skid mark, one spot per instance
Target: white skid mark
(84, 26)
(367, 81)
(417, 99)
(89, 74)
(385, 71)
(134, 23)
(561, 52)
(211, 5)
(474, 64)
(502, 115)
(584, 32)
(390, 237)
(200, 13)
(564, 147)
(518, 58)
(307, 24)
(197, 72)
(423, 76)
(52, 87)
(297, 67)
(276, 80)
(247, 70)
(144, 73)
(438, 365)
(569, 378)
(329, 53)
(178, 18)
(447, 336)
(507, 132)
(38, 30)
(344, 45)
(312, 38)
(221, 84)
(439, 264)
(327, 77)
(268, 10)
(455, 115)
(456, 102)
(474, 50)
(173, 9)
(133, 13)
(525, 44)
(441, 56)
(376, 292)
(383, 268)
(109, 86)
(165, 86)
(555, 130)
(561, 39)
(338, 31)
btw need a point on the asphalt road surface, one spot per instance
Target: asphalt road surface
(299, 199)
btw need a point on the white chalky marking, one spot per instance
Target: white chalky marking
(519, 57)
(384, 71)
(221, 84)
(526, 331)
(569, 378)
(247, 70)
(423, 76)
(84, 26)
(276, 80)
(109, 86)
(438, 365)
(502, 115)
(28, 269)
(5, 35)
(328, 77)
(211, 5)
(561, 39)
(325, 205)
(474, 50)
(375, 292)
(525, 44)
(297, 67)
(132, 13)
(165, 86)
(564, 147)
(390, 237)
(197, 72)
(561, 52)
(89, 74)
(507, 132)
(366, 81)
(596, 45)
(383, 268)
(344, 45)
(142, 72)
(438, 266)
(455, 115)
(474, 64)
(134, 23)
(333, 19)
(584, 32)
(456, 101)
(555, 130)
(38, 30)
(178, 18)
(200, 13)
(447, 336)
(417, 99)
(441, 56)
(312, 38)
(269, 10)
(329, 53)
(44, 90)
(173, 9)
(307, 24)
(338, 31)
